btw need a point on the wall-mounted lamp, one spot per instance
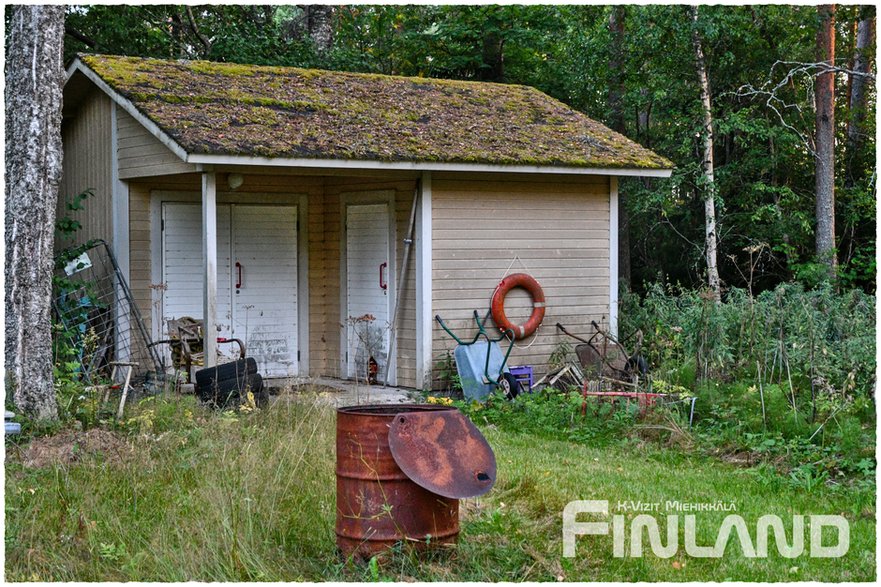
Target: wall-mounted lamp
(235, 180)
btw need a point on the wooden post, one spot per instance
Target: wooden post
(209, 266)
(424, 315)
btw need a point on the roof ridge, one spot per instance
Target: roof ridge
(363, 74)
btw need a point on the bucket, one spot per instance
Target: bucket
(401, 470)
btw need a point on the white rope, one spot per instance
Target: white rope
(514, 260)
(534, 338)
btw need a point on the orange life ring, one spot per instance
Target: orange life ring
(497, 305)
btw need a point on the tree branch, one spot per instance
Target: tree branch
(88, 41)
(206, 43)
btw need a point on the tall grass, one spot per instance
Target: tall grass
(222, 497)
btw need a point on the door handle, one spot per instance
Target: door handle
(382, 284)
(239, 271)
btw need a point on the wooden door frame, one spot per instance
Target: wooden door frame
(366, 198)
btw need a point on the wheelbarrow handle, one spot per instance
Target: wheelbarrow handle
(562, 329)
(446, 329)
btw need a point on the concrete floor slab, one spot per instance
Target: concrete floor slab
(340, 392)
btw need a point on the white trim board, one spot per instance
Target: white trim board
(613, 256)
(126, 105)
(425, 166)
(424, 306)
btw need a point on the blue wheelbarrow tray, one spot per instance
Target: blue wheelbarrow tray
(472, 368)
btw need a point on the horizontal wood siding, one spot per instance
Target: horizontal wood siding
(558, 230)
(141, 154)
(87, 138)
(140, 279)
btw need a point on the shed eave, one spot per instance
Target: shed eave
(125, 104)
(420, 166)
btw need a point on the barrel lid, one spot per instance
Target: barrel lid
(443, 452)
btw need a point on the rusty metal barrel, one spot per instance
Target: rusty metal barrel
(401, 470)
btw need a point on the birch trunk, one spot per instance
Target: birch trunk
(825, 142)
(707, 163)
(34, 81)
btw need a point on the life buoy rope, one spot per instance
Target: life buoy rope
(497, 306)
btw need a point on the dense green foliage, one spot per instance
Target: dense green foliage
(643, 83)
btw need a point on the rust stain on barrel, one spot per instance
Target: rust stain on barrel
(377, 504)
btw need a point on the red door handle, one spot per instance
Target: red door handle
(382, 283)
(239, 271)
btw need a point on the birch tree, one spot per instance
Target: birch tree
(710, 242)
(34, 80)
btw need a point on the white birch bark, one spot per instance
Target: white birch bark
(711, 241)
(34, 81)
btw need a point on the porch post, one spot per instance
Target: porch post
(119, 212)
(209, 265)
(424, 315)
(613, 255)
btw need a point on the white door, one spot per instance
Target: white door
(182, 271)
(257, 250)
(367, 287)
(264, 285)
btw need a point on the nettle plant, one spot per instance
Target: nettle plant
(818, 345)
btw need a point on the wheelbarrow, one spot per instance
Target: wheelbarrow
(604, 355)
(480, 363)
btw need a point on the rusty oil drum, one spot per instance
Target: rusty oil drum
(401, 470)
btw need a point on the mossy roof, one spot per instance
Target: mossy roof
(286, 112)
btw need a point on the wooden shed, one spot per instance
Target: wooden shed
(275, 204)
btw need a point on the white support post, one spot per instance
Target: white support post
(119, 213)
(209, 265)
(424, 316)
(613, 256)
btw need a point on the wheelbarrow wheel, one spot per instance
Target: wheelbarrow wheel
(509, 385)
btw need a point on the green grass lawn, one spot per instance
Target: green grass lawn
(188, 495)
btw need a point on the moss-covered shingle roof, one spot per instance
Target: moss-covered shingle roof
(230, 109)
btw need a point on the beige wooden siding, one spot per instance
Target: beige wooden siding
(324, 284)
(87, 140)
(141, 154)
(558, 230)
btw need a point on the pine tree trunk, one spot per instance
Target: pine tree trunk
(825, 142)
(707, 163)
(616, 123)
(34, 81)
